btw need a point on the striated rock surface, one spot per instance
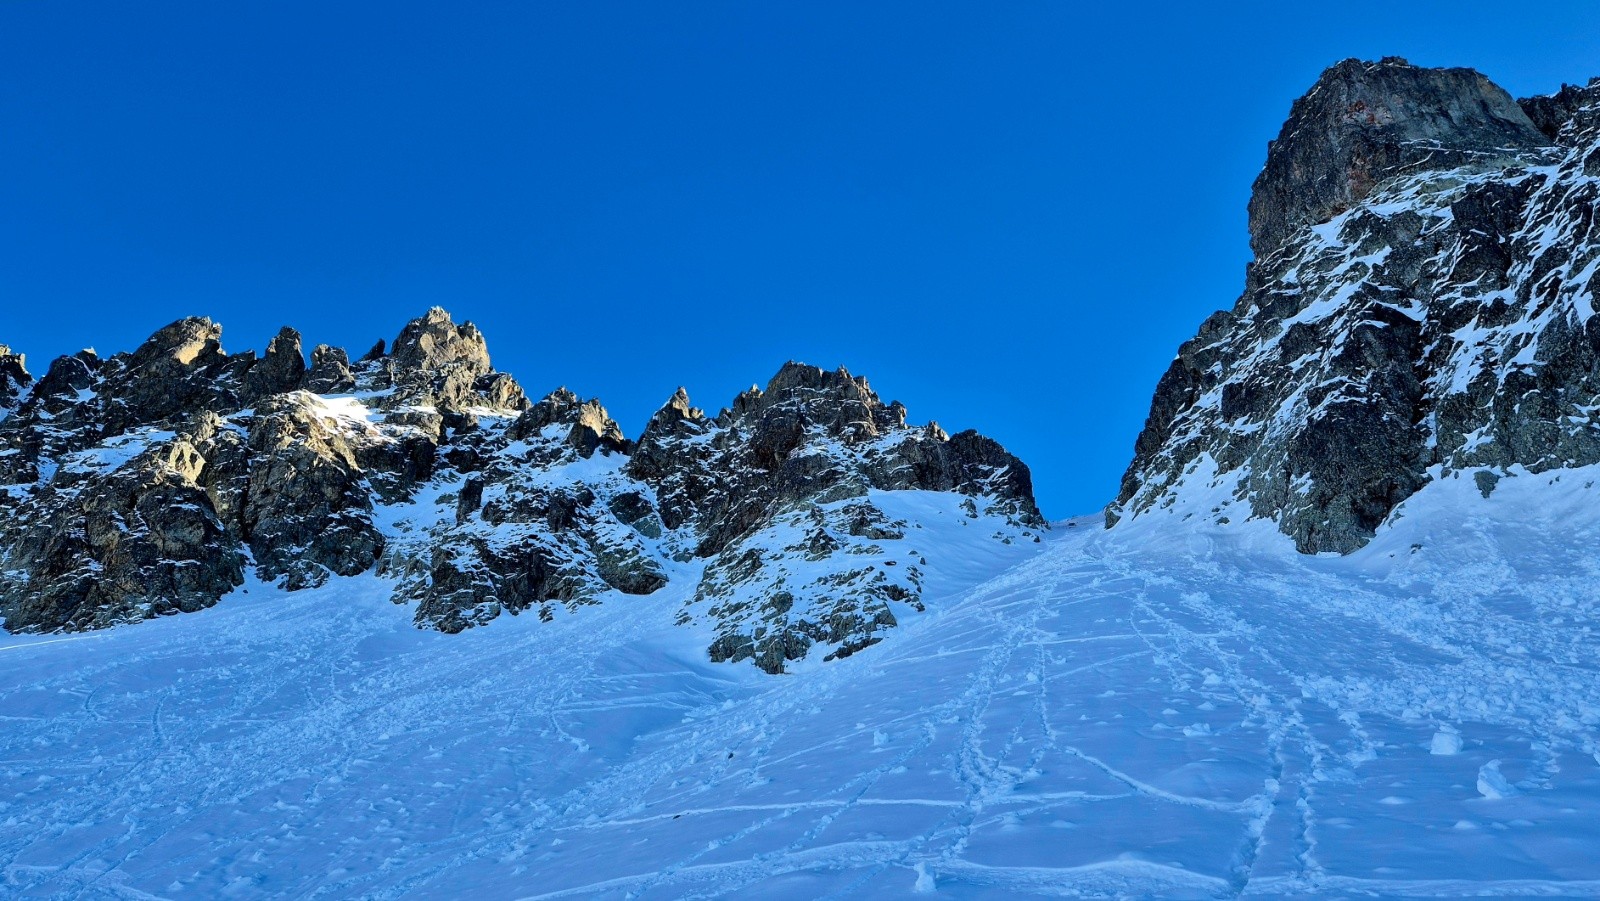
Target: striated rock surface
(153, 482)
(1420, 307)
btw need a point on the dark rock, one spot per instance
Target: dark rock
(1567, 116)
(501, 392)
(281, 369)
(1364, 122)
(634, 509)
(436, 363)
(330, 371)
(132, 543)
(307, 513)
(1439, 322)
(594, 430)
(67, 381)
(143, 484)
(754, 464)
(772, 457)
(586, 424)
(473, 580)
(433, 342)
(469, 500)
(623, 565)
(666, 455)
(174, 372)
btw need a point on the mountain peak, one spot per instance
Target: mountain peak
(433, 341)
(1363, 122)
(182, 342)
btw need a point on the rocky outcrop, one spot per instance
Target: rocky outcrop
(584, 426)
(520, 539)
(148, 483)
(1420, 307)
(762, 454)
(722, 495)
(330, 371)
(434, 342)
(14, 378)
(436, 363)
(806, 454)
(180, 369)
(281, 369)
(1363, 123)
(105, 543)
(134, 486)
(1565, 116)
(306, 505)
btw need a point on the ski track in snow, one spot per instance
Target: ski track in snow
(1188, 713)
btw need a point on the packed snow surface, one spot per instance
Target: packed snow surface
(1161, 709)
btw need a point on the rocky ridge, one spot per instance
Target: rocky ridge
(1420, 307)
(154, 481)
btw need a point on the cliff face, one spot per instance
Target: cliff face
(155, 481)
(1365, 123)
(1420, 307)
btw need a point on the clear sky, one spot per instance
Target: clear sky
(1006, 215)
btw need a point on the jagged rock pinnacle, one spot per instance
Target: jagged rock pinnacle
(433, 341)
(282, 368)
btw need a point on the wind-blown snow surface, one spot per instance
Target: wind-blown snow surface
(1158, 709)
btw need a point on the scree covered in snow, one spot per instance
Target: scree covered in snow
(1142, 711)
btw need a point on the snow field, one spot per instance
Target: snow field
(1185, 712)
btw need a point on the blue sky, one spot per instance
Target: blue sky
(1006, 215)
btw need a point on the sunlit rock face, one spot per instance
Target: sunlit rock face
(158, 481)
(1421, 304)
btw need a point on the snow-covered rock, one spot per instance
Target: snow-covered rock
(1421, 304)
(147, 483)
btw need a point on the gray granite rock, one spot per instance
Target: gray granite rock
(307, 509)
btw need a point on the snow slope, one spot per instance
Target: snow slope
(1162, 709)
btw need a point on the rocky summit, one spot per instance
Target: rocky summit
(160, 480)
(1418, 309)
